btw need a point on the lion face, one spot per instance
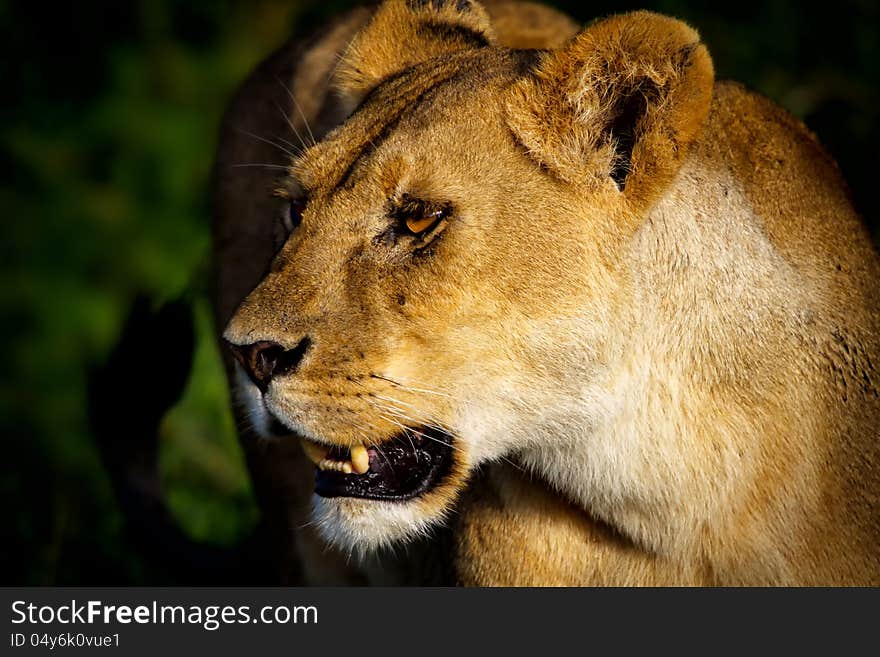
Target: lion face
(428, 282)
(445, 288)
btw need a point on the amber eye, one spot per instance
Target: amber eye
(422, 224)
(293, 216)
(416, 221)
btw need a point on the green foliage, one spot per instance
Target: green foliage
(106, 155)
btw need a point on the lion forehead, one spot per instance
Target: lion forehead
(418, 99)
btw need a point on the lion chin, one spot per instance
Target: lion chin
(360, 527)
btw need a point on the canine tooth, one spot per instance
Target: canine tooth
(315, 452)
(360, 459)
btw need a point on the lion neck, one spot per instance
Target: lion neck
(683, 378)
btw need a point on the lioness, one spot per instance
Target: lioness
(612, 321)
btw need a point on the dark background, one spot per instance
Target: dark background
(107, 131)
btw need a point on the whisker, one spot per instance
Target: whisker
(408, 430)
(298, 109)
(421, 434)
(421, 385)
(382, 454)
(305, 120)
(424, 420)
(267, 141)
(425, 415)
(514, 465)
(398, 413)
(303, 145)
(393, 400)
(365, 430)
(306, 525)
(406, 433)
(411, 389)
(411, 443)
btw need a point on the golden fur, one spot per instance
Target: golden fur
(651, 320)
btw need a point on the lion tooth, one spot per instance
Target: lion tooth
(315, 452)
(360, 459)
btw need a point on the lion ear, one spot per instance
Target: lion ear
(623, 100)
(403, 33)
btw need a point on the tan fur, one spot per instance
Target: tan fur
(652, 317)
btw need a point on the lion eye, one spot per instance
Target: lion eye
(293, 216)
(421, 224)
(416, 221)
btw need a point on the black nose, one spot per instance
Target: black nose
(264, 360)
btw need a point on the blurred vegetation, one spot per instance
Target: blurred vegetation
(106, 141)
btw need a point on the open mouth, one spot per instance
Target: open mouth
(411, 464)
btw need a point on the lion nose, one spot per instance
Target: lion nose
(264, 360)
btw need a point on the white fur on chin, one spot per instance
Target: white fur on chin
(361, 527)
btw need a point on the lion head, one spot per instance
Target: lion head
(448, 279)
